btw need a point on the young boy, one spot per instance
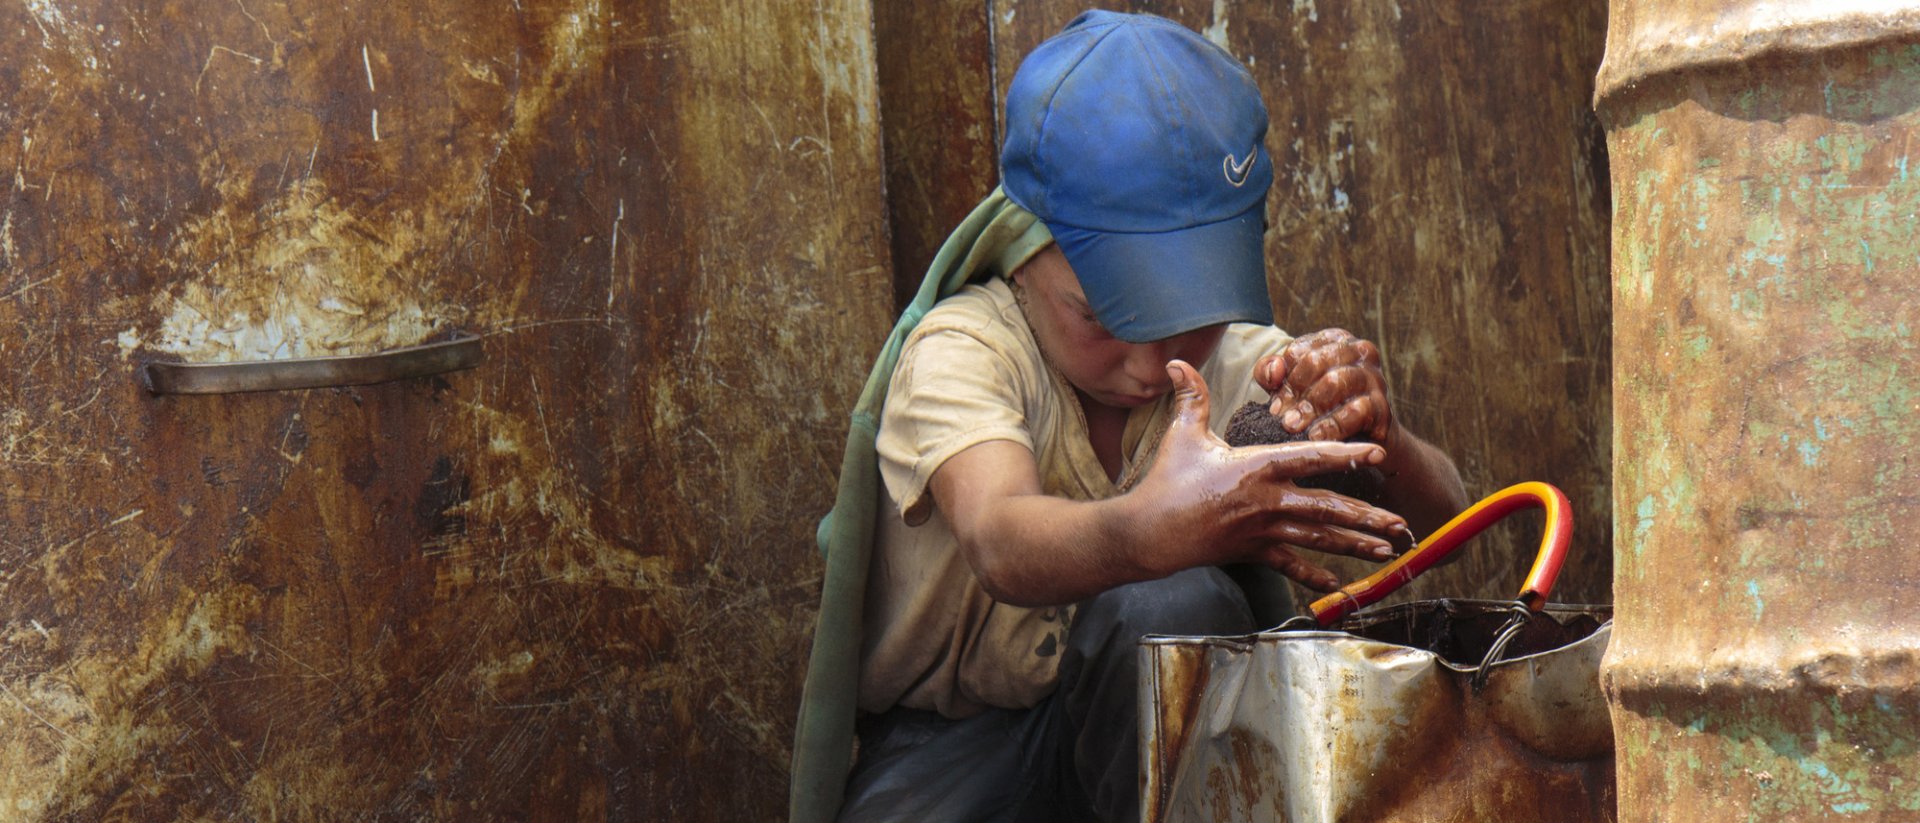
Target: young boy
(1053, 484)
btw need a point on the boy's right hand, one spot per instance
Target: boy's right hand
(1209, 503)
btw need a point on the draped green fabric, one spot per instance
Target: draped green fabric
(995, 239)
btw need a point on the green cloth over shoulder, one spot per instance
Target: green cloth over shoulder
(996, 238)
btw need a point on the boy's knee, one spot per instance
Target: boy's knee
(1202, 601)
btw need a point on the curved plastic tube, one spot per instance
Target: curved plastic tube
(1463, 527)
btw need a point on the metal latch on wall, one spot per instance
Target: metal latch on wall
(461, 352)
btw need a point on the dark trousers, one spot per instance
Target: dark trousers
(1075, 756)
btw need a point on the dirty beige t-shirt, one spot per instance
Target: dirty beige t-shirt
(971, 373)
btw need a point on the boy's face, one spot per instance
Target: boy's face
(1107, 369)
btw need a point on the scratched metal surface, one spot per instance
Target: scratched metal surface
(575, 583)
(1766, 663)
(1441, 188)
(937, 117)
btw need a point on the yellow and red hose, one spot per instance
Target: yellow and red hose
(1491, 509)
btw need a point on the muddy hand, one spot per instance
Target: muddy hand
(1330, 385)
(1212, 504)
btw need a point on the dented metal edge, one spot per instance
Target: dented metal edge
(461, 352)
(1649, 43)
(1876, 671)
(1558, 611)
(1239, 642)
(1602, 635)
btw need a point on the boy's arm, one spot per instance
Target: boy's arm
(1330, 384)
(1422, 483)
(1200, 504)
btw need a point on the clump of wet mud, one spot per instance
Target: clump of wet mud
(1253, 425)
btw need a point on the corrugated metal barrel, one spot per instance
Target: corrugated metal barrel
(1766, 272)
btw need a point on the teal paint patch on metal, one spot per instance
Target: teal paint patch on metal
(1893, 399)
(1809, 453)
(1759, 605)
(1799, 752)
(1678, 494)
(1705, 193)
(1643, 523)
(1829, 783)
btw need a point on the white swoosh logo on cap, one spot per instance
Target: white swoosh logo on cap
(1236, 171)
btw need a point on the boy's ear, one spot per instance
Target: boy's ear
(1018, 275)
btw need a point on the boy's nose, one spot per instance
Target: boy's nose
(1147, 365)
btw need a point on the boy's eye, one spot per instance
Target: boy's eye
(1095, 330)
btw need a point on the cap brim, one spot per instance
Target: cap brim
(1151, 286)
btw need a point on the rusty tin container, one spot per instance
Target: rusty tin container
(1766, 273)
(1380, 721)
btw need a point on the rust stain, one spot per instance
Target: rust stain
(1180, 676)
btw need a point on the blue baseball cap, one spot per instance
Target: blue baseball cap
(1142, 146)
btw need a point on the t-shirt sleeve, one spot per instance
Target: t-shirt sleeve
(951, 390)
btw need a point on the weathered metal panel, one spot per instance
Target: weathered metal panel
(1766, 663)
(1440, 188)
(938, 117)
(574, 583)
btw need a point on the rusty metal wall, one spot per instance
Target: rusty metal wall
(1766, 662)
(572, 584)
(1440, 188)
(939, 123)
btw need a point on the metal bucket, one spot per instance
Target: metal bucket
(1766, 269)
(1427, 711)
(1381, 720)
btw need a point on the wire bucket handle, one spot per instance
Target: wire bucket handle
(1463, 527)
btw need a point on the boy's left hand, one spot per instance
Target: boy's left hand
(1328, 384)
